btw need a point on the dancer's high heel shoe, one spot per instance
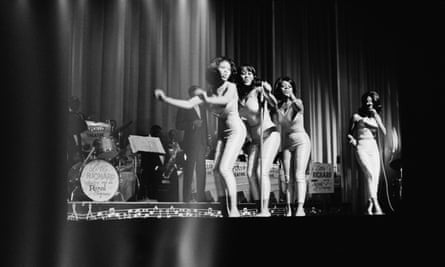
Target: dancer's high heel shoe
(300, 211)
(263, 214)
(369, 209)
(288, 211)
(378, 213)
(377, 209)
(234, 213)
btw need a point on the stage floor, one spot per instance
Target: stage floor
(93, 210)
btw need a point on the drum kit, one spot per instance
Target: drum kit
(108, 172)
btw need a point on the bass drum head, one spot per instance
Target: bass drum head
(99, 180)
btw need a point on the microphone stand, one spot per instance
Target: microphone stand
(262, 103)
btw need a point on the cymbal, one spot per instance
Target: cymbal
(118, 129)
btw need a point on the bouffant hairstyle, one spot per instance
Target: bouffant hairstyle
(243, 89)
(277, 88)
(213, 76)
(363, 110)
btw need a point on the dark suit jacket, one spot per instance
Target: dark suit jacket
(193, 138)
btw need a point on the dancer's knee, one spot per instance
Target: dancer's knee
(301, 178)
(224, 171)
(286, 179)
(251, 174)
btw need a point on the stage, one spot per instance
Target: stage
(93, 210)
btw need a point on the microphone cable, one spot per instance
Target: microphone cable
(384, 174)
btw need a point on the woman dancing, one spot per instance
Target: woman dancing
(363, 129)
(296, 144)
(222, 102)
(252, 94)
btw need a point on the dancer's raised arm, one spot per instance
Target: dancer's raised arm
(180, 103)
(378, 119)
(297, 103)
(227, 96)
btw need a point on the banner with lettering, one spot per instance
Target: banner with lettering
(240, 172)
(321, 178)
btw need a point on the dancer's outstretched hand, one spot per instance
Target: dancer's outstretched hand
(202, 94)
(159, 94)
(352, 140)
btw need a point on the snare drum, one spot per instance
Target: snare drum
(107, 148)
(99, 180)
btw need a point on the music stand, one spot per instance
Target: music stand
(148, 145)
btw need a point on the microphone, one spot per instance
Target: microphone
(257, 83)
(266, 94)
(262, 95)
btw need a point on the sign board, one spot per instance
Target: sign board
(321, 178)
(242, 183)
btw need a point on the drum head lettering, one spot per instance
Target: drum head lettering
(99, 180)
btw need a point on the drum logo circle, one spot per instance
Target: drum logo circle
(99, 180)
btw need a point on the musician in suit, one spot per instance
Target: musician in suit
(194, 124)
(76, 126)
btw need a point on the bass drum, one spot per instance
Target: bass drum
(99, 180)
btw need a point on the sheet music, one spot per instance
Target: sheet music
(145, 144)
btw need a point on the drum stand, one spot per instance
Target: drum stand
(72, 193)
(118, 193)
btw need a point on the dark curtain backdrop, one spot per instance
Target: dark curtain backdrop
(112, 54)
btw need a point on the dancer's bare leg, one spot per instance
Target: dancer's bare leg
(252, 165)
(233, 145)
(302, 154)
(219, 181)
(289, 184)
(270, 150)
